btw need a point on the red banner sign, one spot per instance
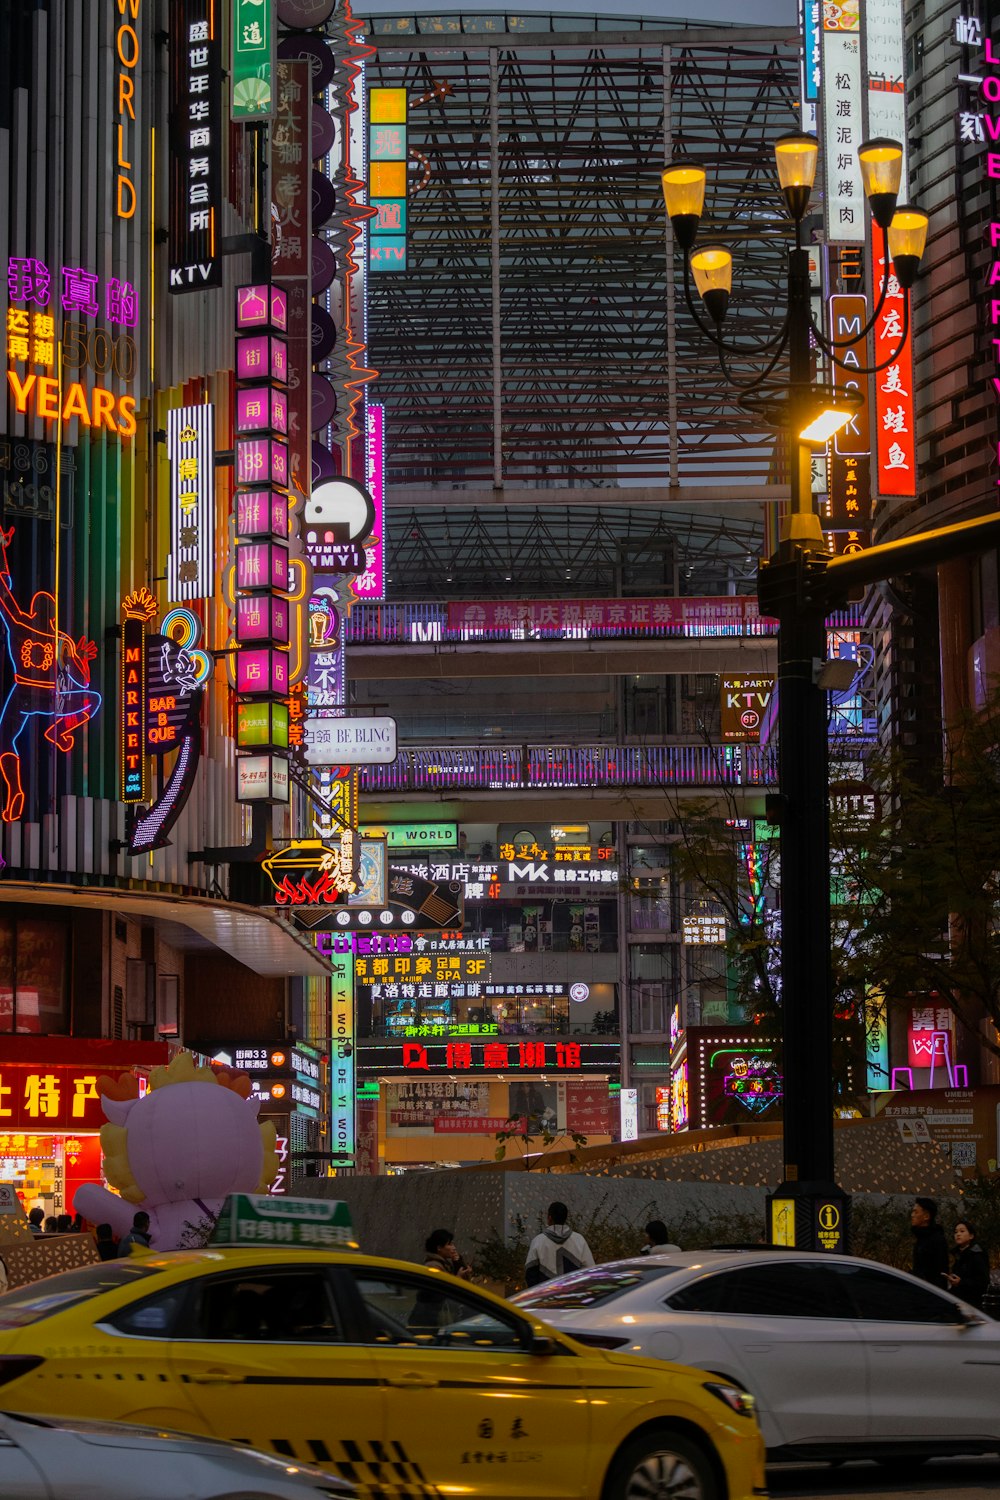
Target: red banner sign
(581, 616)
(895, 437)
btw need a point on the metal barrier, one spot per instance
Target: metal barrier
(544, 767)
(422, 624)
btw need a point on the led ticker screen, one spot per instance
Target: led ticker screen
(387, 151)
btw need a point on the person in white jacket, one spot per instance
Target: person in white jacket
(556, 1250)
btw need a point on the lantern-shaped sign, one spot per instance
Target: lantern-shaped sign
(261, 565)
(261, 778)
(261, 408)
(260, 307)
(262, 725)
(262, 671)
(261, 515)
(261, 356)
(261, 461)
(262, 617)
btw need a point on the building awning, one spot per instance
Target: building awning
(257, 938)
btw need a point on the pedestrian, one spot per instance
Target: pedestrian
(36, 1218)
(433, 1308)
(970, 1271)
(107, 1249)
(444, 1255)
(557, 1250)
(657, 1239)
(930, 1248)
(138, 1235)
(64, 1224)
(50, 1225)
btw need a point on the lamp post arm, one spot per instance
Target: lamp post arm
(842, 574)
(758, 380)
(829, 344)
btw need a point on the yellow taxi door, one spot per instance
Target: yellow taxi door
(464, 1395)
(261, 1356)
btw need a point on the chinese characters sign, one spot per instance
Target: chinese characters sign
(576, 619)
(895, 432)
(370, 584)
(843, 124)
(49, 1098)
(253, 65)
(191, 452)
(487, 1056)
(387, 179)
(195, 141)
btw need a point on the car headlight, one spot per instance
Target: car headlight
(737, 1400)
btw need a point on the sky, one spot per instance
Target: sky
(750, 12)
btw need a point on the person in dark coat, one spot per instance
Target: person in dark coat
(970, 1271)
(930, 1248)
(107, 1245)
(432, 1309)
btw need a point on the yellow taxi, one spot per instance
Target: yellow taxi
(403, 1380)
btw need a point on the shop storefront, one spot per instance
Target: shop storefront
(441, 1102)
(51, 1115)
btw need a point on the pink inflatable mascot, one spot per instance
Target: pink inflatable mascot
(177, 1152)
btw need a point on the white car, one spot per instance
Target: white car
(49, 1458)
(845, 1357)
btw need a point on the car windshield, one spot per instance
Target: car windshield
(31, 1304)
(591, 1288)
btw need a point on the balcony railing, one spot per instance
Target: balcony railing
(517, 620)
(546, 767)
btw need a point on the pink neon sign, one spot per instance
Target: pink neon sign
(371, 583)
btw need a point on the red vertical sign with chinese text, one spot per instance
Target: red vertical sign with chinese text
(895, 438)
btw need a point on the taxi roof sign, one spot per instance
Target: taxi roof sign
(263, 1219)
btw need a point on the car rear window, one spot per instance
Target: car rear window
(590, 1288)
(30, 1304)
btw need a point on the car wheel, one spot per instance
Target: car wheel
(661, 1466)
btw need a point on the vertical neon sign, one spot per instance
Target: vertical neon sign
(342, 1104)
(138, 608)
(370, 584)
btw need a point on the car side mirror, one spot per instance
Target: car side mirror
(968, 1318)
(541, 1343)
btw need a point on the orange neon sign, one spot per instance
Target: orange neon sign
(97, 408)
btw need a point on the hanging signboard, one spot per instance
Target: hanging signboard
(350, 742)
(253, 60)
(195, 147)
(191, 452)
(843, 123)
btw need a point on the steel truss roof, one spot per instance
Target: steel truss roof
(614, 550)
(532, 337)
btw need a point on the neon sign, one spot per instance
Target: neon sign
(30, 280)
(138, 609)
(163, 677)
(387, 179)
(191, 452)
(127, 48)
(51, 680)
(370, 584)
(195, 146)
(97, 408)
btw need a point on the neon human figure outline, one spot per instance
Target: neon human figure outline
(51, 680)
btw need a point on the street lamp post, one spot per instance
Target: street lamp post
(808, 1209)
